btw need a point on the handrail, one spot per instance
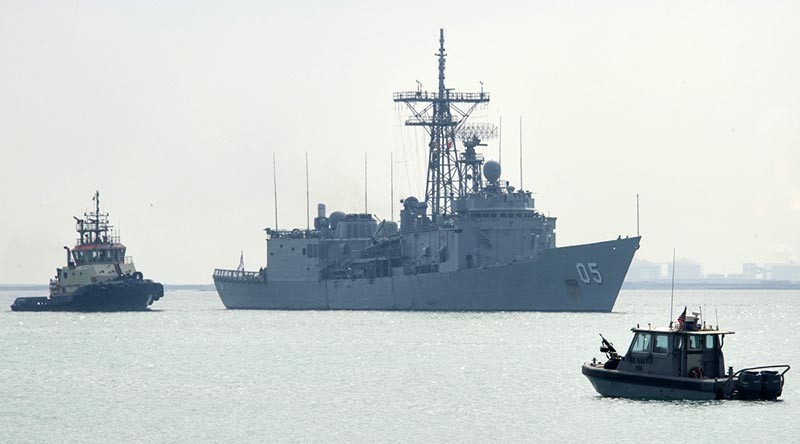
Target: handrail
(422, 96)
(735, 374)
(236, 274)
(788, 367)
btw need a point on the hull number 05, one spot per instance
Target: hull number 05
(589, 272)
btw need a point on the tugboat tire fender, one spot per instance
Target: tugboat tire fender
(138, 276)
(696, 373)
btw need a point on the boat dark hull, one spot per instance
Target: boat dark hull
(621, 384)
(126, 295)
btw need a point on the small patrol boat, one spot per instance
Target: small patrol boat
(684, 362)
(98, 276)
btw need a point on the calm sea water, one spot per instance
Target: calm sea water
(192, 371)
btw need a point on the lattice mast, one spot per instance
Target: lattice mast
(441, 117)
(94, 228)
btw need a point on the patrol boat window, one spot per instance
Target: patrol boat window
(642, 343)
(660, 344)
(694, 342)
(710, 342)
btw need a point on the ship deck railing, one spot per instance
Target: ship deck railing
(294, 234)
(426, 96)
(237, 275)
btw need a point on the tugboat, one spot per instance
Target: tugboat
(680, 363)
(98, 276)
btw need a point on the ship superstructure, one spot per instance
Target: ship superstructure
(474, 242)
(97, 256)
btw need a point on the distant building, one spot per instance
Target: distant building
(644, 271)
(686, 270)
(772, 272)
(751, 271)
(784, 272)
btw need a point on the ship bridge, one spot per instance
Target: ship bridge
(97, 243)
(110, 253)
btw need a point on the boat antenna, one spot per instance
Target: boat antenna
(275, 188)
(365, 183)
(637, 214)
(97, 216)
(308, 201)
(391, 184)
(672, 291)
(500, 142)
(520, 154)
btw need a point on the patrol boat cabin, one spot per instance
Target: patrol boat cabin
(680, 362)
(685, 353)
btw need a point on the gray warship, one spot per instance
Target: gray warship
(475, 243)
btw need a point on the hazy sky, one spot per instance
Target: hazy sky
(173, 110)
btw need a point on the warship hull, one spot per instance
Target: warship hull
(128, 295)
(551, 282)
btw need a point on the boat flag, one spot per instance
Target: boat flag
(241, 263)
(682, 317)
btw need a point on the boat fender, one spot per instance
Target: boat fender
(94, 279)
(696, 373)
(138, 275)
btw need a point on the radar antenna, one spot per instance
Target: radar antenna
(441, 117)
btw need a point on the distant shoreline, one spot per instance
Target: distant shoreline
(713, 285)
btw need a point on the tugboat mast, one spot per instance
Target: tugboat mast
(441, 118)
(93, 229)
(97, 215)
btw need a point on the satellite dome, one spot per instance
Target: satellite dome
(491, 170)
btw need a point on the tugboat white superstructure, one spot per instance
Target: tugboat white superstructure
(474, 243)
(681, 362)
(98, 276)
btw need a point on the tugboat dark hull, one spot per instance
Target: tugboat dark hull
(124, 295)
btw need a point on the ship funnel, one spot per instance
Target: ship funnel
(321, 222)
(69, 257)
